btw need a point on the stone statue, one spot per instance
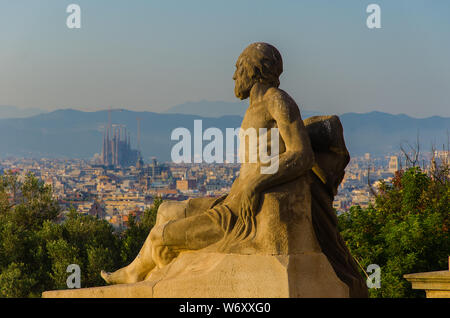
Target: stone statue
(273, 235)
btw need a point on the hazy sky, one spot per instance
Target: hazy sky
(150, 55)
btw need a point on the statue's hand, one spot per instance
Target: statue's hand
(249, 201)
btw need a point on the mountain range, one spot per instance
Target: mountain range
(7, 111)
(72, 133)
(206, 108)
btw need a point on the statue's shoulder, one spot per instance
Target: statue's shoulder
(276, 94)
(281, 104)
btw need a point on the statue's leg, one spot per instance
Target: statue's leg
(192, 233)
(144, 263)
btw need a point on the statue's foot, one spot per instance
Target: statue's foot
(118, 277)
(106, 276)
(121, 276)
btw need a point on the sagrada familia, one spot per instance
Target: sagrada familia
(117, 151)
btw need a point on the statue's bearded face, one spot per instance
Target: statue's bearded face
(243, 82)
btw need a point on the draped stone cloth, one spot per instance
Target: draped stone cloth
(331, 155)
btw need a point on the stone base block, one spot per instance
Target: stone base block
(435, 284)
(215, 275)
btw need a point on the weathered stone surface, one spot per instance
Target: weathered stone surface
(138, 290)
(436, 284)
(217, 275)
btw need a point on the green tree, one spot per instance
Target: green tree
(405, 231)
(97, 246)
(25, 205)
(35, 250)
(99, 258)
(15, 281)
(62, 254)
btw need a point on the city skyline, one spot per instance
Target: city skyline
(151, 55)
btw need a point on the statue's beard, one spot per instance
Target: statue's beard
(242, 89)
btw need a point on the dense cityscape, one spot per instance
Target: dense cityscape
(113, 192)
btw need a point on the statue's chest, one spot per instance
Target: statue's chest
(257, 117)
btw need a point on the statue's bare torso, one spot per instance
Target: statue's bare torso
(272, 108)
(258, 116)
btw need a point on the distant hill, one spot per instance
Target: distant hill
(73, 133)
(16, 112)
(206, 108)
(378, 132)
(210, 108)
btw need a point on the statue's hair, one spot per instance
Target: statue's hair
(263, 63)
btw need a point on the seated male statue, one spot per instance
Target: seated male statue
(230, 224)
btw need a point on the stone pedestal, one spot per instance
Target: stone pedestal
(216, 275)
(435, 284)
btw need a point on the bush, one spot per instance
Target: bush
(405, 231)
(35, 251)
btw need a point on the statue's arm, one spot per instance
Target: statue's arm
(298, 157)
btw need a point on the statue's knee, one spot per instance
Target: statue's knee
(170, 210)
(164, 206)
(156, 235)
(162, 211)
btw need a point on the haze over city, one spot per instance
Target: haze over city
(152, 55)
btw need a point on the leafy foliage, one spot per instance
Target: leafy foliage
(35, 250)
(405, 231)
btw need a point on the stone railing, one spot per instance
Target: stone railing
(435, 284)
